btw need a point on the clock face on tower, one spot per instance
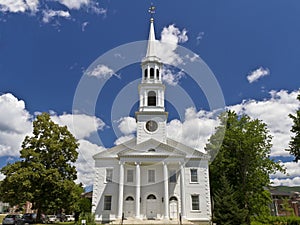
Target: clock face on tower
(151, 126)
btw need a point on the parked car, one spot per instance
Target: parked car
(10, 219)
(30, 218)
(52, 219)
(70, 218)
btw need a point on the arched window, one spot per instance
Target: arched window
(151, 196)
(157, 74)
(129, 198)
(151, 73)
(173, 198)
(151, 98)
(146, 74)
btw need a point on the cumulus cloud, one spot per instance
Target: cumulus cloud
(123, 139)
(127, 125)
(48, 15)
(80, 125)
(171, 36)
(74, 4)
(102, 72)
(171, 77)
(18, 6)
(15, 124)
(286, 182)
(85, 162)
(274, 112)
(257, 74)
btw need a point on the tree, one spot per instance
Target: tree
(226, 207)
(243, 147)
(294, 145)
(45, 174)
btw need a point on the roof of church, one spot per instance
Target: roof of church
(151, 148)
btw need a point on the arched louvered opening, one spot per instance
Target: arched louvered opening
(151, 73)
(151, 98)
(157, 74)
(129, 198)
(146, 74)
(173, 198)
(151, 196)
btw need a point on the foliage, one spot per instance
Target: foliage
(277, 220)
(226, 207)
(45, 174)
(294, 145)
(243, 158)
(88, 217)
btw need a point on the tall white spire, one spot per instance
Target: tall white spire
(151, 40)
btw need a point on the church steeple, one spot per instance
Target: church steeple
(151, 117)
(151, 40)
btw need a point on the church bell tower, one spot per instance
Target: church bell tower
(151, 117)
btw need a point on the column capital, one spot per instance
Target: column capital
(137, 163)
(121, 162)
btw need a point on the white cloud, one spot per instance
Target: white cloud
(171, 36)
(274, 112)
(83, 26)
(49, 14)
(123, 139)
(286, 182)
(257, 74)
(102, 72)
(80, 125)
(74, 4)
(13, 6)
(171, 77)
(85, 163)
(195, 130)
(127, 125)
(32, 5)
(15, 124)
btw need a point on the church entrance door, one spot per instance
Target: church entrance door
(129, 207)
(151, 207)
(173, 208)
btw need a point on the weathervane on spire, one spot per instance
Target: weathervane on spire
(151, 10)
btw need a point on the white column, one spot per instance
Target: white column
(121, 190)
(182, 190)
(166, 190)
(138, 190)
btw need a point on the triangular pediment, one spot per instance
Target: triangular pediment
(151, 148)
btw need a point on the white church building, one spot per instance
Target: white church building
(151, 178)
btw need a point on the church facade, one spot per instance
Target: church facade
(151, 177)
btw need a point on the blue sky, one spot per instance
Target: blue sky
(46, 48)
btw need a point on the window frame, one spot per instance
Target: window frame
(127, 172)
(193, 176)
(107, 180)
(107, 204)
(197, 203)
(172, 176)
(150, 180)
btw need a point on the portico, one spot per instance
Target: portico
(162, 169)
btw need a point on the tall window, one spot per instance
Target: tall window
(151, 98)
(130, 176)
(151, 73)
(194, 175)
(151, 176)
(107, 202)
(146, 74)
(109, 175)
(195, 202)
(157, 74)
(172, 175)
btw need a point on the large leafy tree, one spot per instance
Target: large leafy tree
(294, 145)
(241, 147)
(45, 174)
